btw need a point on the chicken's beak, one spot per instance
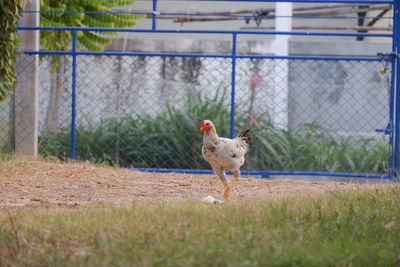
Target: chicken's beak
(201, 128)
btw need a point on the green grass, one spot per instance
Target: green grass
(337, 229)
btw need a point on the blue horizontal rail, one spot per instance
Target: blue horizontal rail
(112, 53)
(267, 174)
(101, 29)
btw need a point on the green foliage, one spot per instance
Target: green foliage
(173, 140)
(94, 41)
(10, 12)
(312, 148)
(359, 228)
(59, 40)
(170, 139)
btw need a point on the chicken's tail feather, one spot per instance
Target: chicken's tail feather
(246, 135)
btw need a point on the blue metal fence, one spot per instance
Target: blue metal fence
(389, 60)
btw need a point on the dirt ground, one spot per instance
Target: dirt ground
(37, 182)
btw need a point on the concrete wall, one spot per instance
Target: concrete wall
(349, 98)
(223, 6)
(346, 97)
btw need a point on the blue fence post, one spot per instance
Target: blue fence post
(233, 84)
(396, 70)
(390, 126)
(154, 16)
(73, 95)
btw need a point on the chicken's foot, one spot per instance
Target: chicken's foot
(227, 191)
(228, 187)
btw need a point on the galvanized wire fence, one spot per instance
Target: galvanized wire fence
(144, 111)
(6, 126)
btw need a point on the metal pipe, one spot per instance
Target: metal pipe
(391, 116)
(233, 84)
(395, 52)
(266, 174)
(393, 113)
(271, 10)
(211, 13)
(113, 53)
(270, 17)
(182, 18)
(73, 95)
(154, 16)
(375, 20)
(232, 15)
(362, 28)
(208, 31)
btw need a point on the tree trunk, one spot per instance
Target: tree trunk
(57, 86)
(255, 69)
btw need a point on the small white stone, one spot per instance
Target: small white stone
(210, 199)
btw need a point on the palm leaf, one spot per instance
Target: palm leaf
(80, 18)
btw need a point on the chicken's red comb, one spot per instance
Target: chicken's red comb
(202, 123)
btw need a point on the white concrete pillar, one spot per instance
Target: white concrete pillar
(283, 22)
(26, 90)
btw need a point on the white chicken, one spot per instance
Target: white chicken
(224, 153)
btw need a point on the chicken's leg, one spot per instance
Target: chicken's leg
(228, 187)
(222, 176)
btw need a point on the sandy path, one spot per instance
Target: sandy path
(35, 182)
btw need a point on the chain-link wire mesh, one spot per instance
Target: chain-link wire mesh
(6, 126)
(144, 111)
(55, 106)
(315, 115)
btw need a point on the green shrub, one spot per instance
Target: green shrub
(173, 140)
(10, 12)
